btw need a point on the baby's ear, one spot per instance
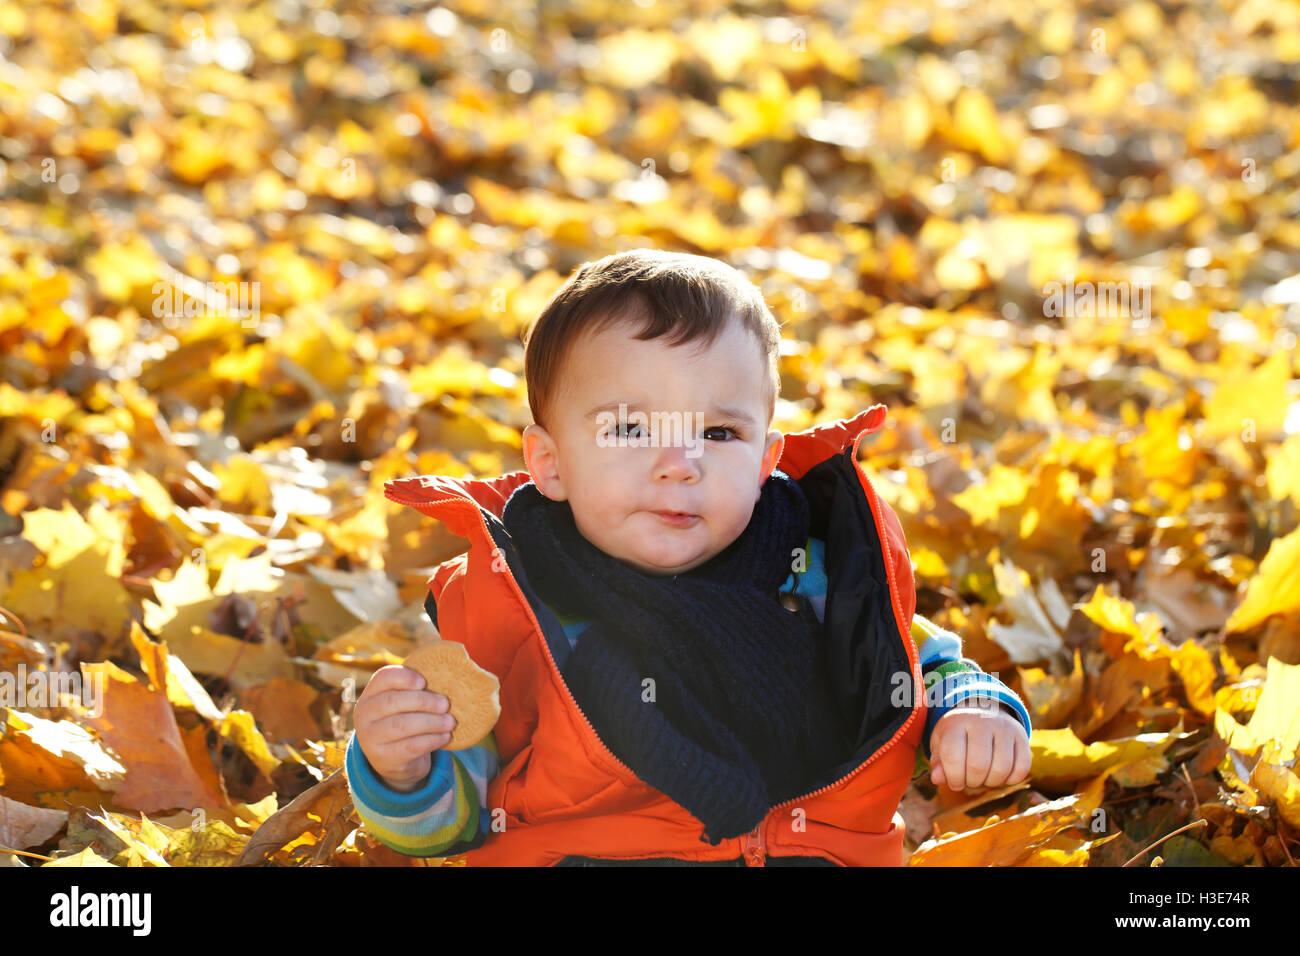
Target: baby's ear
(540, 458)
(772, 452)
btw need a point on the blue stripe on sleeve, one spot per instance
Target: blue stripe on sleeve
(369, 790)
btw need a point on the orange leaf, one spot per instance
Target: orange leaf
(139, 725)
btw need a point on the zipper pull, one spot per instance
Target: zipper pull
(756, 848)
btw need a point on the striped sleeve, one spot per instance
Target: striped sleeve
(951, 679)
(446, 815)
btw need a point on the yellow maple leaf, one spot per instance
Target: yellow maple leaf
(120, 268)
(1283, 470)
(243, 482)
(1001, 842)
(1116, 614)
(215, 844)
(1059, 755)
(240, 727)
(1272, 778)
(1276, 717)
(1275, 587)
(1003, 487)
(86, 857)
(975, 126)
(634, 58)
(1051, 698)
(1250, 402)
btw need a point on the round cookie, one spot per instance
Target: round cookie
(473, 693)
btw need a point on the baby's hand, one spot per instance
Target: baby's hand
(399, 724)
(978, 745)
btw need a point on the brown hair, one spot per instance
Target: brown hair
(685, 296)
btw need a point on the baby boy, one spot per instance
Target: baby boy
(657, 529)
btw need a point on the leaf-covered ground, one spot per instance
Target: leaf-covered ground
(1060, 241)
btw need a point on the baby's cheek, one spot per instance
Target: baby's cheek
(735, 523)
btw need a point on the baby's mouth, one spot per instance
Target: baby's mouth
(676, 519)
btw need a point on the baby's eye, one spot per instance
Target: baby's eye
(721, 428)
(619, 428)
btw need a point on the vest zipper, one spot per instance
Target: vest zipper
(874, 505)
(756, 847)
(756, 844)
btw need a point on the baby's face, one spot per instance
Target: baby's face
(697, 459)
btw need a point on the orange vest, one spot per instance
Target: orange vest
(564, 793)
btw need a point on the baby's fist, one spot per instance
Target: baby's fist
(978, 745)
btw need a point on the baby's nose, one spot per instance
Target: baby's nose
(676, 464)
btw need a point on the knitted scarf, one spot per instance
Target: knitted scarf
(702, 683)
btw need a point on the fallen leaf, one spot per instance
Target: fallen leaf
(1034, 634)
(1276, 717)
(1001, 842)
(138, 724)
(1275, 588)
(1058, 756)
(1050, 698)
(281, 708)
(215, 844)
(23, 826)
(38, 755)
(86, 857)
(321, 809)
